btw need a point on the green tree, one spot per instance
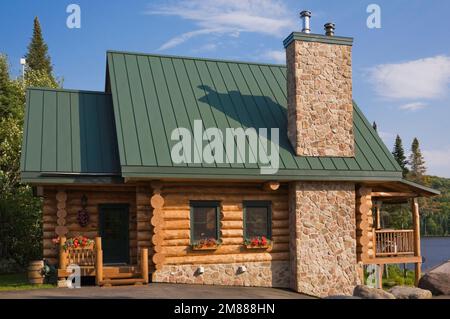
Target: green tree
(399, 155)
(37, 57)
(416, 161)
(20, 212)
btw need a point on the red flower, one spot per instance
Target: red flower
(263, 241)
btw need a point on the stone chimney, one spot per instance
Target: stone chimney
(319, 88)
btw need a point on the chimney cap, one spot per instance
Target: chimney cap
(305, 13)
(306, 16)
(330, 27)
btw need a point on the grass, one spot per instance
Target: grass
(18, 282)
(397, 277)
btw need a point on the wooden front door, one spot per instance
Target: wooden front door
(114, 223)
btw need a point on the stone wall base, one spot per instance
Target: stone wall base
(258, 274)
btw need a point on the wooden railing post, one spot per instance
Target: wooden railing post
(417, 250)
(62, 254)
(144, 264)
(98, 260)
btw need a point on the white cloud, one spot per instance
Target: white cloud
(419, 79)
(277, 56)
(438, 162)
(185, 37)
(415, 106)
(230, 17)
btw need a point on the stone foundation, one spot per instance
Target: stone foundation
(323, 244)
(258, 274)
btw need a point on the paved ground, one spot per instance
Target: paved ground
(156, 291)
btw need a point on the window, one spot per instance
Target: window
(257, 220)
(204, 221)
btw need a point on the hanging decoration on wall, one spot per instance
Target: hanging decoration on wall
(83, 214)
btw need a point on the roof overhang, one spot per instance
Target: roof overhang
(399, 191)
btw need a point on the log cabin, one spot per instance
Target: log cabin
(104, 165)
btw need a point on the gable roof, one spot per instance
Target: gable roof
(153, 94)
(127, 132)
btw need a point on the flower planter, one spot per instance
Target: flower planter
(206, 244)
(205, 248)
(261, 247)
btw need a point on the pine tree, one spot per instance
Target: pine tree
(37, 56)
(375, 127)
(399, 155)
(417, 161)
(4, 84)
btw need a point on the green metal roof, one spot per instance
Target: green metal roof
(69, 133)
(95, 137)
(153, 95)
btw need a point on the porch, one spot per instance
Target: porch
(90, 261)
(380, 244)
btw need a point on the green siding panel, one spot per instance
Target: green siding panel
(69, 132)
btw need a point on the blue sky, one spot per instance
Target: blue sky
(401, 71)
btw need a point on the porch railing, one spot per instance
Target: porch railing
(92, 256)
(394, 242)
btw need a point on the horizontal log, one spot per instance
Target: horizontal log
(280, 239)
(280, 214)
(232, 232)
(176, 234)
(227, 259)
(280, 231)
(232, 241)
(280, 223)
(231, 224)
(177, 224)
(49, 253)
(170, 213)
(49, 235)
(232, 216)
(176, 242)
(144, 226)
(141, 236)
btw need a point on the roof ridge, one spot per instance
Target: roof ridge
(193, 58)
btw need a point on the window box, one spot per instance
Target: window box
(257, 243)
(206, 244)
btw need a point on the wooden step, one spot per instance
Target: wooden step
(122, 282)
(120, 271)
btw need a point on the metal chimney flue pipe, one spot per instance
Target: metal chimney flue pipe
(306, 17)
(329, 29)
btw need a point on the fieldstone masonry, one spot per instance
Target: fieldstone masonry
(320, 106)
(257, 274)
(323, 246)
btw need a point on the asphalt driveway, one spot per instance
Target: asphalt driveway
(155, 291)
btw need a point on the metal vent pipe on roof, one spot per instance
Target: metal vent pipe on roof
(306, 16)
(329, 29)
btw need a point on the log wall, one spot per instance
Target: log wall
(176, 244)
(96, 196)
